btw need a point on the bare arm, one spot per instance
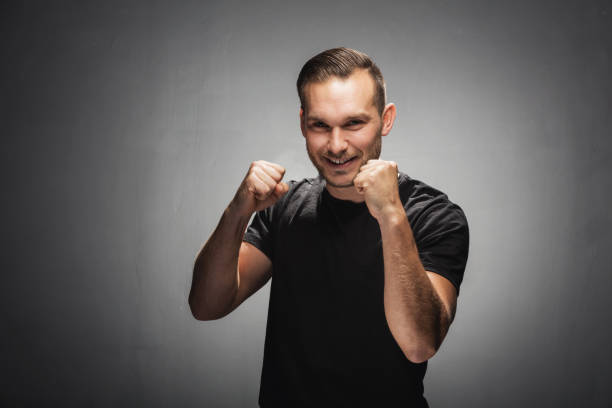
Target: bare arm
(419, 305)
(227, 270)
(215, 273)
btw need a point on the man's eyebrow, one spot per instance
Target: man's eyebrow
(359, 116)
(313, 117)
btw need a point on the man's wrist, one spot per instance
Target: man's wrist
(235, 213)
(392, 216)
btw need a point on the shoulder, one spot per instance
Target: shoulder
(425, 204)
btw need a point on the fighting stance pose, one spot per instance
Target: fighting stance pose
(366, 262)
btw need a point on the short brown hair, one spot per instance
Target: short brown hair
(340, 62)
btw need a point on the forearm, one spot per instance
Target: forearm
(415, 314)
(215, 273)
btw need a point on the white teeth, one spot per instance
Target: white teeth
(339, 162)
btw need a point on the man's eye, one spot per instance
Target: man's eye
(320, 124)
(355, 122)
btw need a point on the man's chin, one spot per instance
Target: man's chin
(339, 185)
(338, 182)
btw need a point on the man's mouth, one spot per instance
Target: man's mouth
(341, 163)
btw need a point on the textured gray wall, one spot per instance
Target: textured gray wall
(127, 127)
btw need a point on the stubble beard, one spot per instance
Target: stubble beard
(372, 153)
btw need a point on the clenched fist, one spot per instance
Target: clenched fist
(260, 188)
(377, 182)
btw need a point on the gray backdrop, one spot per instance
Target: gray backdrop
(127, 126)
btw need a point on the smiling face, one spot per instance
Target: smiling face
(343, 129)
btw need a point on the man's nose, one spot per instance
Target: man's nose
(337, 142)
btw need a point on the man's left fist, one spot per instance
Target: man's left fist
(377, 181)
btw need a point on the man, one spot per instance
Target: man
(365, 261)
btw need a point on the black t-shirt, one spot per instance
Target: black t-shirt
(327, 340)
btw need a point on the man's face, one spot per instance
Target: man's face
(342, 127)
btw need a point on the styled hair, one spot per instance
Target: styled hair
(340, 62)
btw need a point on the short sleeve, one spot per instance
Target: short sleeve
(259, 232)
(443, 242)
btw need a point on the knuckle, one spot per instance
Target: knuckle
(260, 171)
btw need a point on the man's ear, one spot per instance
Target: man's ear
(302, 122)
(388, 118)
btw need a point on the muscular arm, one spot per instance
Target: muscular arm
(216, 276)
(228, 270)
(419, 305)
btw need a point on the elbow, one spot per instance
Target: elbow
(420, 355)
(416, 350)
(196, 312)
(425, 347)
(200, 313)
(203, 316)
(419, 350)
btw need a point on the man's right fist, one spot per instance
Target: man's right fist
(260, 188)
